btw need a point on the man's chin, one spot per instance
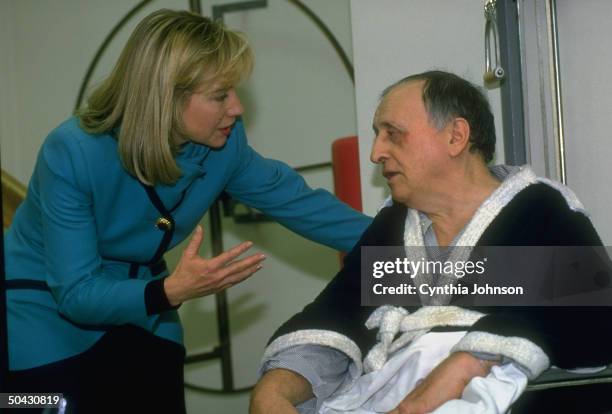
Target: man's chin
(399, 198)
(394, 194)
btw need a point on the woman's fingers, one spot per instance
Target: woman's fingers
(196, 276)
(233, 274)
(229, 255)
(242, 264)
(236, 278)
(237, 271)
(193, 247)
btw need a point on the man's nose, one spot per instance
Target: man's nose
(377, 153)
(234, 106)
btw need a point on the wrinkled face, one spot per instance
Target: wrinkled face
(411, 151)
(210, 113)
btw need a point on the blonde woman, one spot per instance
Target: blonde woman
(91, 305)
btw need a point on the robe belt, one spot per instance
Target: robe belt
(392, 321)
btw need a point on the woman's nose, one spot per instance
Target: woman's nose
(234, 107)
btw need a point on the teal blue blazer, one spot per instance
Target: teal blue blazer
(85, 222)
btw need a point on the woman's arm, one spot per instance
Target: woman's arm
(277, 190)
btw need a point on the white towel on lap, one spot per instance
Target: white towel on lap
(382, 390)
(493, 394)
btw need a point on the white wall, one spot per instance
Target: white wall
(298, 100)
(585, 63)
(396, 38)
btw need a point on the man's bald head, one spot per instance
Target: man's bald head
(447, 96)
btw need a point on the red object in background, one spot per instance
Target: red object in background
(345, 161)
(347, 181)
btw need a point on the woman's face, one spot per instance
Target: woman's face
(210, 113)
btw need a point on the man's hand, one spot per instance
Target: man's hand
(195, 276)
(444, 383)
(278, 391)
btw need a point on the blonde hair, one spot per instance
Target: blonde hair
(169, 55)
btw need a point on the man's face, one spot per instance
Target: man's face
(412, 151)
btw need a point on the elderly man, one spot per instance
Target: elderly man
(434, 137)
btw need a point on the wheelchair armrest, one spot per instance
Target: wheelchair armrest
(556, 378)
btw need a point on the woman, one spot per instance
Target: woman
(91, 306)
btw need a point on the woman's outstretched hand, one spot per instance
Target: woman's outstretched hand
(195, 276)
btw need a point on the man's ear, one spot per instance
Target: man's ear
(459, 136)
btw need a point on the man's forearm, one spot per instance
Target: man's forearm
(278, 391)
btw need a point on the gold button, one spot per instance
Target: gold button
(163, 224)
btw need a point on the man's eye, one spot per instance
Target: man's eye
(221, 98)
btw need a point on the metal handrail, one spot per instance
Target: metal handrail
(492, 73)
(556, 83)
